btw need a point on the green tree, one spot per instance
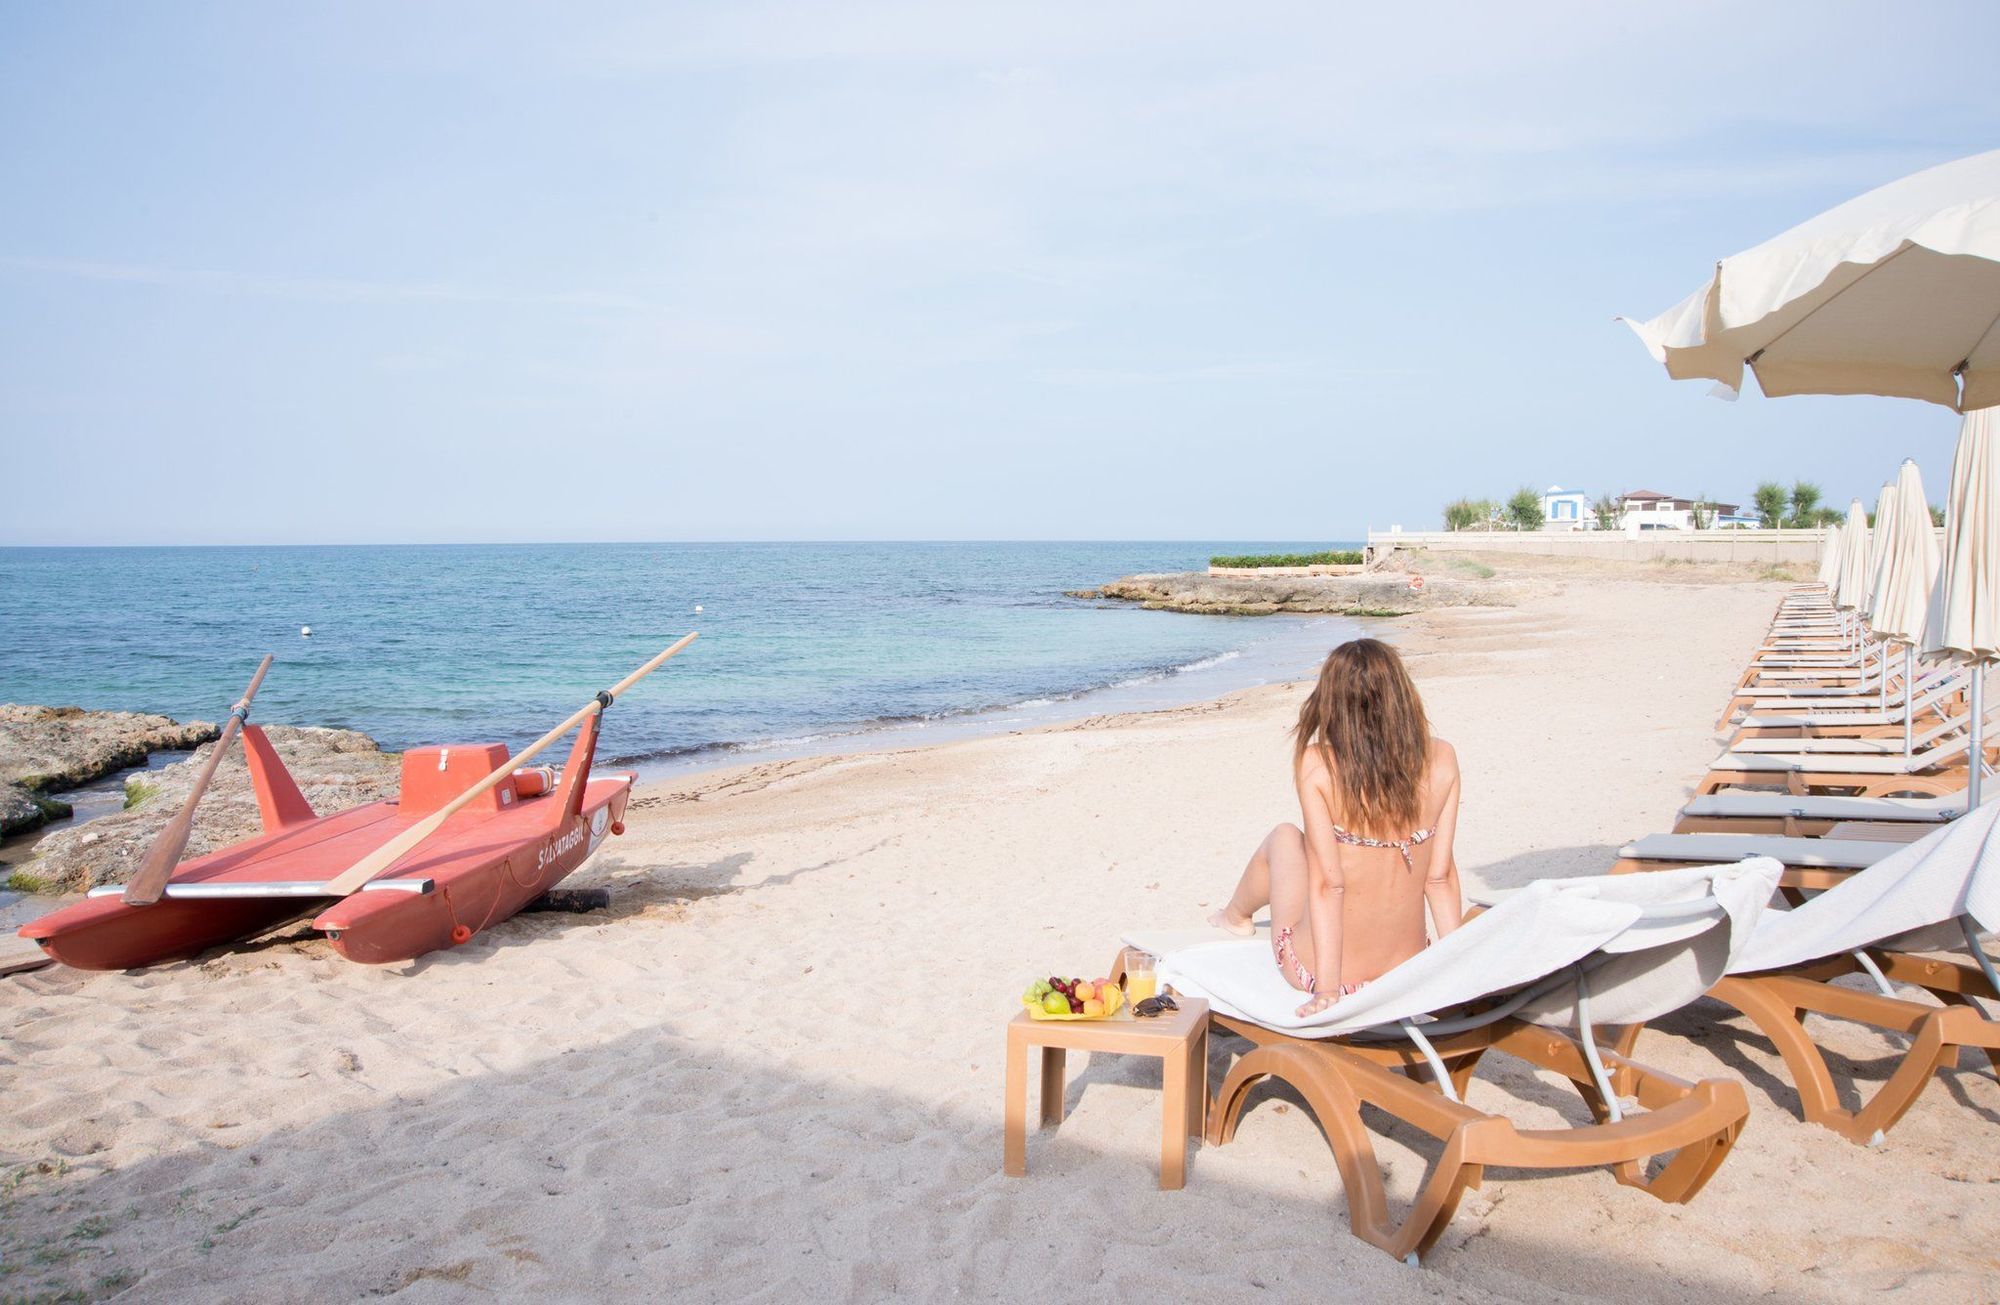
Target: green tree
(1937, 515)
(1463, 513)
(1525, 509)
(1770, 501)
(1827, 516)
(1805, 503)
(1610, 512)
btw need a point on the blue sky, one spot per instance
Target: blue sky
(293, 273)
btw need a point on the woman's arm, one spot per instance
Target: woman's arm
(1326, 884)
(1441, 891)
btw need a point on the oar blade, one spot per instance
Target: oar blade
(149, 883)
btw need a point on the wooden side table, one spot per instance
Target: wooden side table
(1179, 1039)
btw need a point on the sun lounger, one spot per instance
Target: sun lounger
(1882, 745)
(1939, 894)
(1805, 713)
(1808, 862)
(1807, 815)
(1935, 771)
(1554, 956)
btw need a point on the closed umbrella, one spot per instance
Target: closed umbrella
(1853, 582)
(1894, 292)
(1900, 598)
(1901, 595)
(1965, 605)
(1878, 534)
(1829, 557)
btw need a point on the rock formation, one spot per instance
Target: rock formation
(334, 769)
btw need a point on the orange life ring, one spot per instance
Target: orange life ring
(1416, 582)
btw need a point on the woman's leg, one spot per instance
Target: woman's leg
(1291, 926)
(1275, 877)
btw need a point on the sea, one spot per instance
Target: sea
(804, 647)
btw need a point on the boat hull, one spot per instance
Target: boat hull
(473, 893)
(481, 868)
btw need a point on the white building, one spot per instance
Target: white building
(1645, 509)
(1567, 509)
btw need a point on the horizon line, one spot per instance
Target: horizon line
(644, 543)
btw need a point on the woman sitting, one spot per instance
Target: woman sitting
(1379, 801)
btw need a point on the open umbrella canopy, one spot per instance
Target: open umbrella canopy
(1900, 598)
(1829, 557)
(1896, 292)
(1965, 606)
(1852, 587)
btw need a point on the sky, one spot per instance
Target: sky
(489, 272)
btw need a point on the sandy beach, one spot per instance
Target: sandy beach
(772, 1070)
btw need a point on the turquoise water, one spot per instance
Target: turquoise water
(803, 646)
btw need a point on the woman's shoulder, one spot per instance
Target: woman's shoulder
(1444, 760)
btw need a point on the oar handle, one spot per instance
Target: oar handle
(645, 670)
(241, 711)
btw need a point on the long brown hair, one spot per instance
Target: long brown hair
(1365, 713)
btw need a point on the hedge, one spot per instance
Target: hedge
(1345, 557)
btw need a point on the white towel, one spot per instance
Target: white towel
(1533, 933)
(1949, 872)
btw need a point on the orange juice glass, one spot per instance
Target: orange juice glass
(1140, 981)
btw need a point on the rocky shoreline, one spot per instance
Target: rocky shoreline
(48, 750)
(67, 747)
(1381, 593)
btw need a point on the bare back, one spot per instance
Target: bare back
(1384, 887)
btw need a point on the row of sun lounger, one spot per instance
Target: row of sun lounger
(1567, 973)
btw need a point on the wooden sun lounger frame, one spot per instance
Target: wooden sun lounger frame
(1937, 781)
(1778, 1002)
(1697, 1123)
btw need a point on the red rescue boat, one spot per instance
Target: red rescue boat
(472, 837)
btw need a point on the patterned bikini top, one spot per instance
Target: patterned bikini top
(1402, 845)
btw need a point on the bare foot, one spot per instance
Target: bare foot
(1228, 919)
(1317, 1004)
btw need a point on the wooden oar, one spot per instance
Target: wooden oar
(351, 879)
(145, 887)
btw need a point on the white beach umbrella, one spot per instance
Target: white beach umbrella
(1852, 586)
(1895, 292)
(1900, 598)
(1829, 557)
(1878, 536)
(1965, 605)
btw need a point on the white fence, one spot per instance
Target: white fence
(1646, 546)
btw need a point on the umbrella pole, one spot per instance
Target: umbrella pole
(1976, 762)
(1909, 699)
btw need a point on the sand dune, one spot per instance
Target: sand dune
(773, 1070)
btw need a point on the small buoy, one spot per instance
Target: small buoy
(617, 826)
(460, 934)
(1416, 582)
(305, 632)
(697, 609)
